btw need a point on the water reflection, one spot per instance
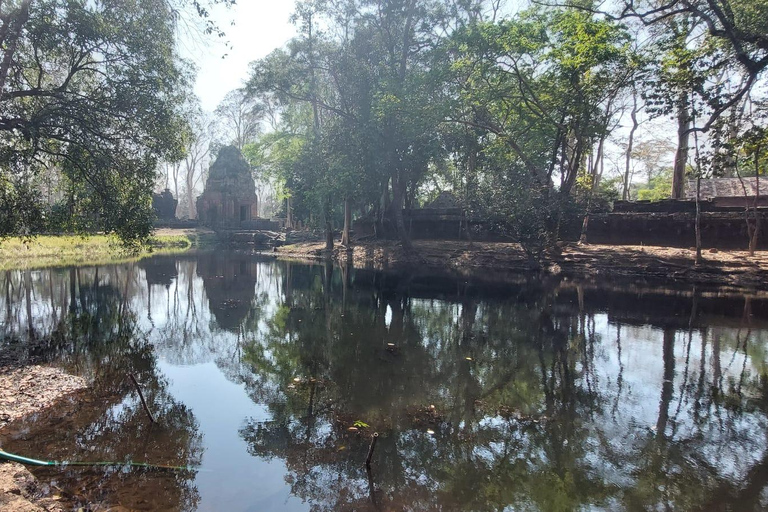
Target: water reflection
(83, 320)
(488, 394)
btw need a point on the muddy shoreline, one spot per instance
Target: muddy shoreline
(24, 392)
(654, 265)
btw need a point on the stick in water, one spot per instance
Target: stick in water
(141, 395)
(370, 450)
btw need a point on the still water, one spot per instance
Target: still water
(270, 377)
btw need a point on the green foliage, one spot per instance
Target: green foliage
(92, 96)
(609, 190)
(659, 188)
(538, 88)
(391, 103)
(364, 101)
(20, 211)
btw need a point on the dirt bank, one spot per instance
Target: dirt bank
(29, 389)
(26, 390)
(21, 492)
(652, 264)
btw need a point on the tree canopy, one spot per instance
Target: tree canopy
(376, 106)
(513, 113)
(90, 95)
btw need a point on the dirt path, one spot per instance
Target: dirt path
(653, 264)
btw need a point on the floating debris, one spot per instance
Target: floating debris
(430, 432)
(353, 429)
(468, 358)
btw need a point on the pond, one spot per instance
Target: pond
(268, 379)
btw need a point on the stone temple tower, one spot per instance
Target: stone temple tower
(229, 199)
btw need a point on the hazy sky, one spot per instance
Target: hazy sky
(260, 27)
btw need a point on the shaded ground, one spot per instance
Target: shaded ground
(655, 264)
(21, 492)
(27, 390)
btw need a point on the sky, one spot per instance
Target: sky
(259, 27)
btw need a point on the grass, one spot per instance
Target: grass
(67, 250)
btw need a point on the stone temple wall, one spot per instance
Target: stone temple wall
(165, 205)
(229, 200)
(722, 230)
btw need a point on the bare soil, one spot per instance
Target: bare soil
(21, 492)
(654, 264)
(26, 390)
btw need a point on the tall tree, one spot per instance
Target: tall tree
(542, 87)
(93, 89)
(240, 117)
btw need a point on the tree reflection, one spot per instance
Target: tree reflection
(523, 395)
(487, 405)
(99, 337)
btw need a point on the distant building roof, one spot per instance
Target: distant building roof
(447, 200)
(726, 187)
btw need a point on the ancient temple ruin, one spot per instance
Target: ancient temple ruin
(229, 199)
(165, 205)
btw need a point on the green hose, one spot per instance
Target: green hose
(35, 462)
(24, 460)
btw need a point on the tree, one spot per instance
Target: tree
(541, 88)
(366, 81)
(659, 187)
(92, 90)
(737, 30)
(754, 144)
(240, 116)
(191, 171)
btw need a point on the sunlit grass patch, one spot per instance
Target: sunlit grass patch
(66, 250)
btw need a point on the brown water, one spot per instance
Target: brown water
(493, 395)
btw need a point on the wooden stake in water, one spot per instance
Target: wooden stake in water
(141, 395)
(370, 450)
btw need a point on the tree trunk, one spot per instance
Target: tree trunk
(397, 213)
(697, 222)
(347, 222)
(755, 235)
(756, 231)
(288, 213)
(630, 144)
(328, 227)
(594, 166)
(684, 119)
(191, 206)
(698, 219)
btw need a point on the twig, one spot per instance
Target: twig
(371, 487)
(370, 450)
(141, 395)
